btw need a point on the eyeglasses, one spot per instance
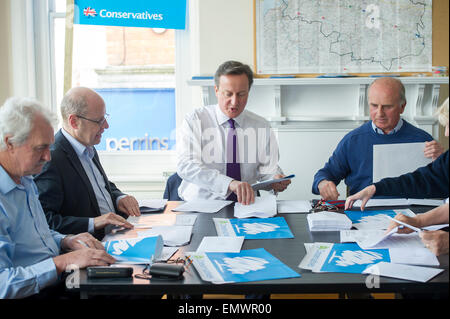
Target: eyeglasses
(99, 122)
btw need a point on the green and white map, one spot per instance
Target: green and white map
(340, 36)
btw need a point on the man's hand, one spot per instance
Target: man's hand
(280, 186)
(75, 242)
(436, 241)
(129, 206)
(433, 149)
(328, 190)
(363, 195)
(110, 219)
(83, 258)
(244, 192)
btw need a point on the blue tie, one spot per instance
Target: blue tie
(233, 165)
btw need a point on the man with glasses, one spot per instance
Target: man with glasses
(75, 192)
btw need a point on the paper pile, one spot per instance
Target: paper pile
(263, 207)
(328, 221)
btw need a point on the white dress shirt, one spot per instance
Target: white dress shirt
(202, 158)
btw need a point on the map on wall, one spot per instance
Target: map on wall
(340, 36)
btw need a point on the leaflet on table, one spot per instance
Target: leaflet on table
(172, 235)
(407, 272)
(245, 266)
(151, 205)
(263, 207)
(293, 206)
(253, 228)
(345, 258)
(375, 219)
(202, 206)
(264, 185)
(135, 250)
(376, 202)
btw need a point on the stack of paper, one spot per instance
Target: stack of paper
(375, 219)
(263, 207)
(151, 205)
(328, 221)
(294, 206)
(202, 206)
(135, 250)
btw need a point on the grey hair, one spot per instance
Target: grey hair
(73, 104)
(233, 68)
(401, 92)
(442, 113)
(17, 116)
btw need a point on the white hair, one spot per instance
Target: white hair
(17, 117)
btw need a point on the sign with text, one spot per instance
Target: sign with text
(134, 13)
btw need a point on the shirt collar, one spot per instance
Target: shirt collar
(79, 148)
(222, 118)
(7, 184)
(395, 130)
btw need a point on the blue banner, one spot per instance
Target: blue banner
(132, 13)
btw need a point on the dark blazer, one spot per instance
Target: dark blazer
(171, 191)
(65, 192)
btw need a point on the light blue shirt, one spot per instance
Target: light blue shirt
(27, 244)
(395, 130)
(85, 155)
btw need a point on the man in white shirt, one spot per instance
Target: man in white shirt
(223, 148)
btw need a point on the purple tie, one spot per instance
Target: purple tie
(233, 166)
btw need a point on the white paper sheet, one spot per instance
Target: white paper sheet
(172, 235)
(202, 206)
(418, 256)
(186, 220)
(408, 272)
(402, 158)
(221, 244)
(263, 207)
(293, 206)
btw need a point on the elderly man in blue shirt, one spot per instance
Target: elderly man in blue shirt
(30, 259)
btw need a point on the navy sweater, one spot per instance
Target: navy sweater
(430, 181)
(353, 158)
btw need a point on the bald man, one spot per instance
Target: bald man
(74, 190)
(353, 158)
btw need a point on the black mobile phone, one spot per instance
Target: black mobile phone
(109, 272)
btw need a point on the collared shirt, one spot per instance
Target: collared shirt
(202, 154)
(395, 130)
(27, 245)
(85, 155)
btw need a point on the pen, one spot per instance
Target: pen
(406, 225)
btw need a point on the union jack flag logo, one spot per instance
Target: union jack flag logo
(89, 12)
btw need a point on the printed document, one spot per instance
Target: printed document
(408, 272)
(202, 206)
(263, 207)
(402, 158)
(293, 206)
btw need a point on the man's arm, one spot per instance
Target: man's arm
(191, 166)
(51, 196)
